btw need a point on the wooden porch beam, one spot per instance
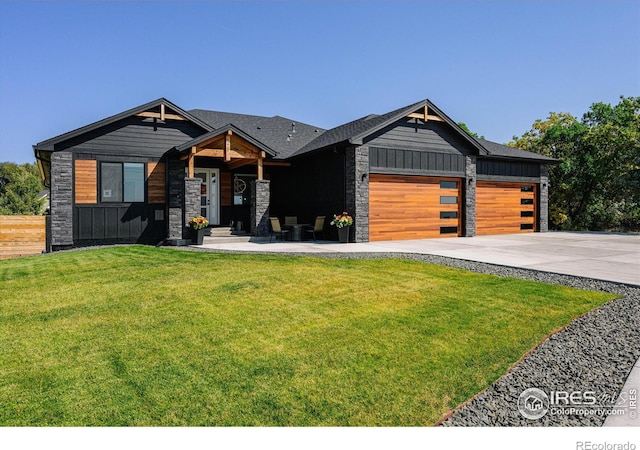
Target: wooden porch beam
(276, 163)
(421, 116)
(192, 157)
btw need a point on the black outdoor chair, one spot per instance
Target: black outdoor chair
(277, 229)
(318, 227)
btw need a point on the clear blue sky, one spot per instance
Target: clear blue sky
(496, 65)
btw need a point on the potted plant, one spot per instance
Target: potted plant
(342, 222)
(197, 225)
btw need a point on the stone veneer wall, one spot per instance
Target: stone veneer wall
(61, 205)
(543, 224)
(176, 195)
(191, 202)
(357, 191)
(260, 194)
(469, 212)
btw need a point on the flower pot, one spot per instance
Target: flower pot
(197, 236)
(343, 234)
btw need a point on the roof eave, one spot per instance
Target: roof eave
(49, 144)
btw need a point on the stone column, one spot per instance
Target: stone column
(61, 202)
(176, 196)
(470, 196)
(260, 198)
(357, 191)
(543, 202)
(191, 202)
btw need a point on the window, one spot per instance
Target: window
(526, 213)
(448, 200)
(526, 226)
(448, 230)
(448, 214)
(121, 182)
(526, 201)
(448, 185)
(526, 188)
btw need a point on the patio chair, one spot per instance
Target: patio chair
(318, 227)
(277, 229)
(290, 220)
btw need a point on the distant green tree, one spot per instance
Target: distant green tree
(597, 184)
(20, 186)
(468, 131)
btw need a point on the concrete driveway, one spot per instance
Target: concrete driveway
(604, 256)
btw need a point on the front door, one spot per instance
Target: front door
(209, 194)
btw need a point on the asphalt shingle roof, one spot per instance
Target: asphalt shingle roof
(283, 135)
(506, 151)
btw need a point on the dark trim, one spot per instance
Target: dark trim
(223, 130)
(507, 178)
(49, 143)
(425, 173)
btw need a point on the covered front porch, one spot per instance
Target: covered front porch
(221, 176)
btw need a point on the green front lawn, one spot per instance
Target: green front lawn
(146, 336)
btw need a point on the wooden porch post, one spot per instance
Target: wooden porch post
(260, 165)
(227, 146)
(192, 157)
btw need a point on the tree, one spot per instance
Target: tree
(468, 131)
(596, 186)
(20, 186)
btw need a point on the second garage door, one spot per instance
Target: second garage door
(413, 207)
(503, 207)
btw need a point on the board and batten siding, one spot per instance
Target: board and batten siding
(86, 181)
(407, 161)
(488, 168)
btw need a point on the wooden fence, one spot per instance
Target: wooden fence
(22, 235)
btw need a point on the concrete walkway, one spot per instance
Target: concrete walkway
(603, 256)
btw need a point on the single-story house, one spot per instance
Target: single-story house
(412, 173)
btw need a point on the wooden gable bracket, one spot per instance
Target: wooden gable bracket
(425, 115)
(162, 115)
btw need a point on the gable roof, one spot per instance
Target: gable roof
(223, 130)
(49, 144)
(278, 133)
(356, 131)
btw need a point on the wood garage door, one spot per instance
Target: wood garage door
(413, 207)
(505, 207)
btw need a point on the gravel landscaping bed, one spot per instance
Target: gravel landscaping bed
(594, 353)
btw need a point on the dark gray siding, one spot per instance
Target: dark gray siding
(414, 134)
(137, 136)
(137, 222)
(490, 168)
(388, 160)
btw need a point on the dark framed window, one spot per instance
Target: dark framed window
(448, 184)
(448, 200)
(526, 188)
(121, 182)
(526, 201)
(526, 226)
(526, 213)
(448, 230)
(448, 214)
